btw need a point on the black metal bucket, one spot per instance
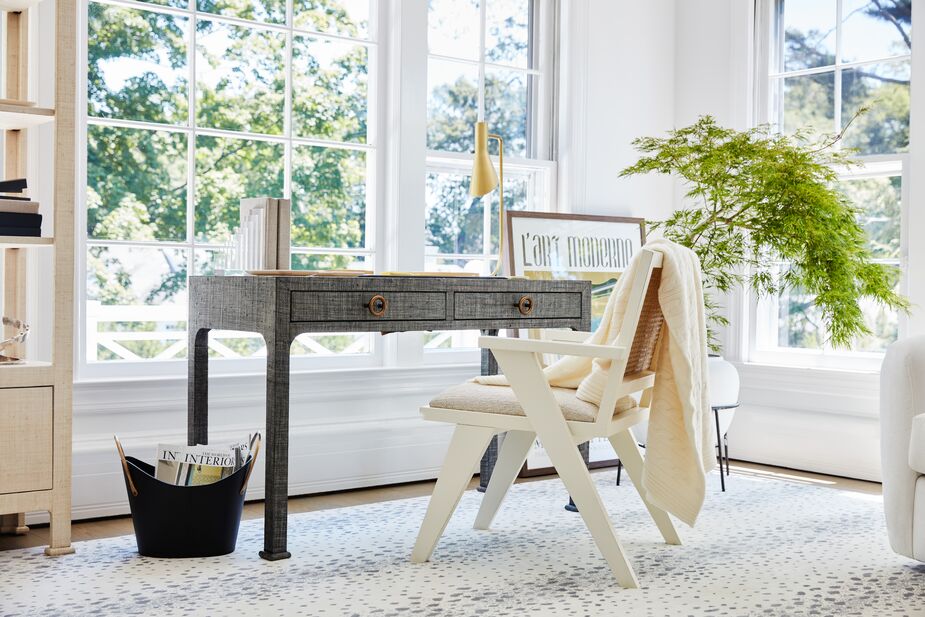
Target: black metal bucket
(184, 521)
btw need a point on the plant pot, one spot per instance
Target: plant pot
(724, 390)
(724, 394)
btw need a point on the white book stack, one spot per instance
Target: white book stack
(262, 241)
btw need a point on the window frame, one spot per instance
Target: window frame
(393, 157)
(541, 108)
(88, 370)
(882, 165)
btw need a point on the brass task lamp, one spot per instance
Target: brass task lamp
(484, 179)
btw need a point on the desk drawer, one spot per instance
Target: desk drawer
(368, 305)
(508, 305)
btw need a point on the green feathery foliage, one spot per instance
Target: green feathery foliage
(769, 198)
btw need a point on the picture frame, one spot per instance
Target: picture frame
(552, 245)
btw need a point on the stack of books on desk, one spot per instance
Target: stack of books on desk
(19, 216)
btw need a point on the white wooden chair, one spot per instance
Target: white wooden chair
(531, 408)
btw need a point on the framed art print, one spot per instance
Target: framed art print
(544, 245)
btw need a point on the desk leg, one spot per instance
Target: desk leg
(277, 450)
(197, 422)
(487, 465)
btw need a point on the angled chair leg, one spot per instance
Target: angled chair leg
(466, 448)
(580, 485)
(514, 452)
(627, 449)
(546, 417)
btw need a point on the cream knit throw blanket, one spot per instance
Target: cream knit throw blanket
(679, 446)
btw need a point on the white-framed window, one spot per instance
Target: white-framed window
(487, 60)
(823, 61)
(191, 105)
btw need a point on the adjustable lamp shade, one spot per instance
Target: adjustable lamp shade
(484, 179)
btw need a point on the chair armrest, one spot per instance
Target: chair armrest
(554, 347)
(565, 336)
(917, 444)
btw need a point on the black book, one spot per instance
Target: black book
(13, 186)
(26, 232)
(20, 219)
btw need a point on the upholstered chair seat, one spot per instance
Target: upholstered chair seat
(482, 398)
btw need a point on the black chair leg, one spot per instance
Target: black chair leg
(719, 447)
(726, 448)
(619, 471)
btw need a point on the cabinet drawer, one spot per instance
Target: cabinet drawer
(513, 305)
(25, 439)
(368, 305)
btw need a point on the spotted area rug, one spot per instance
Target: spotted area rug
(764, 547)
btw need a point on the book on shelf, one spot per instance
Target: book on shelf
(19, 215)
(20, 219)
(203, 464)
(22, 232)
(21, 224)
(24, 205)
(16, 185)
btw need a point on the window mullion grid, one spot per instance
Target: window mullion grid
(191, 143)
(486, 201)
(490, 65)
(483, 12)
(854, 64)
(837, 94)
(287, 108)
(191, 129)
(233, 20)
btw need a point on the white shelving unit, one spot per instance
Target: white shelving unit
(35, 396)
(17, 242)
(19, 117)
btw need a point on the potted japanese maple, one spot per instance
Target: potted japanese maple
(756, 199)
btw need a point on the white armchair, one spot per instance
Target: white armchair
(902, 445)
(531, 408)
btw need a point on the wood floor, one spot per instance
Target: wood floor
(118, 526)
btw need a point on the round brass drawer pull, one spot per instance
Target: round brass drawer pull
(378, 305)
(525, 305)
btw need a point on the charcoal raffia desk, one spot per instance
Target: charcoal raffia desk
(282, 307)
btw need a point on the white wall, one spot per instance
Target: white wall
(618, 84)
(705, 62)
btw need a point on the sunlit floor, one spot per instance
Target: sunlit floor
(122, 525)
